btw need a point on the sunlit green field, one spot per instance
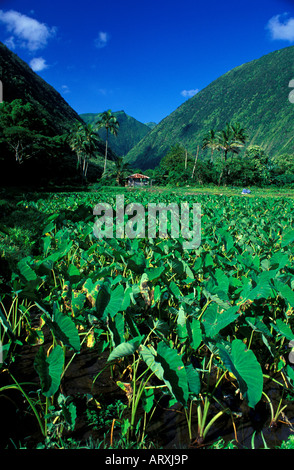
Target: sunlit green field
(173, 329)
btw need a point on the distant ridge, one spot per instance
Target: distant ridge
(255, 94)
(130, 132)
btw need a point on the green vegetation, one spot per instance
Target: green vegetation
(117, 338)
(130, 132)
(246, 94)
(173, 329)
(109, 122)
(34, 124)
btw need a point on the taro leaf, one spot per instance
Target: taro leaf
(208, 260)
(116, 327)
(290, 373)
(225, 304)
(242, 363)
(175, 290)
(108, 301)
(282, 328)
(74, 273)
(116, 299)
(137, 263)
(103, 299)
(126, 302)
(77, 302)
(49, 369)
(285, 291)
(147, 398)
(125, 349)
(25, 269)
(261, 291)
(35, 336)
(193, 380)
(157, 293)
(66, 330)
(257, 324)
(46, 245)
(222, 281)
(177, 266)
(194, 332)
(91, 290)
(168, 366)
(287, 238)
(214, 321)
(279, 260)
(49, 228)
(69, 411)
(154, 273)
(63, 328)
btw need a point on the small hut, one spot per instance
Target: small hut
(137, 179)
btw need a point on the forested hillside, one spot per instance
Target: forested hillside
(254, 94)
(34, 126)
(130, 132)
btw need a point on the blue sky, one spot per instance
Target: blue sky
(145, 58)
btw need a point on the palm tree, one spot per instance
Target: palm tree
(119, 170)
(83, 141)
(210, 141)
(231, 139)
(108, 121)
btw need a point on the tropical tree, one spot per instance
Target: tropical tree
(83, 141)
(121, 169)
(109, 122)
(231, 139)
(118, 171)
(24, 134)
(210, 140)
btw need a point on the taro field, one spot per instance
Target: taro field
(140, 343)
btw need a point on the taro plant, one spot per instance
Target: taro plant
(50, 364)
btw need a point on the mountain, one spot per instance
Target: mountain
(151, 125)
(256, 94)
(130, 131)
(21, 82)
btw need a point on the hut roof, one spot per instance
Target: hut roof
(138, 175)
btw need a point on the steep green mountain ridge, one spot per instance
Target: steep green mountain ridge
(256, 94)
(130, 132)
(21, 82)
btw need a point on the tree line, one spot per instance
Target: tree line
(225, 163)
(24, 136)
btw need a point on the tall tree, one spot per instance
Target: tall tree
(22, 132)
(210, 140)
(231, 139)
(108, 121)
(83, 141)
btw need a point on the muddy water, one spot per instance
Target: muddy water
(168, 427)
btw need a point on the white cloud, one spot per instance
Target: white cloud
(281, 27)
(189, 93)
(65, 89)
(10, 43)
(28, 32)
(102, 40)
(38, 64)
